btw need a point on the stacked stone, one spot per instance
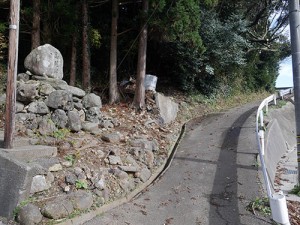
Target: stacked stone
(46, 103)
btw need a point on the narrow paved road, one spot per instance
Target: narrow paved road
(210, 181)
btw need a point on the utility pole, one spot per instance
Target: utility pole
(12, 73)
(295, 44)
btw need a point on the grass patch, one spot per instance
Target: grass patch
(280, 103)
(61, 133)
(196, 105)
(260, 205)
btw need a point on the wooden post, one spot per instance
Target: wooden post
(12, 73)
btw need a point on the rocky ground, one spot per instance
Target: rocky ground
(109, 163)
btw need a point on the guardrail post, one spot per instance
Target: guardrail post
(262, 132)
(274, 99)
(261, 117)
(279, 208)
(277, 200)
(262, 141)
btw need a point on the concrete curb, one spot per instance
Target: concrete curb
(155, 177)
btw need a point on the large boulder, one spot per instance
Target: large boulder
(27, 92)
(38, 108)
(30, 215)
(91, 100)
(74, 90)
(74, 122)
(60, 100)
(45, 60)
(60, 118)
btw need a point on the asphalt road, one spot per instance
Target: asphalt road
(211, 180)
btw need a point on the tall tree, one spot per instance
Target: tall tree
(139, 96)
(113, 87)
(73, 30)
(36, 24)
(86, 64)
(73, 63)
(47, 23)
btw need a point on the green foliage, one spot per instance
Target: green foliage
(180, 64)
(261, 205)
(95, 37)
(261, 70)
(81, 184)
(224, 41)
(70, 158)
(295, 190)
(61, 133)
(20, 205)
(178, 21)
(201, 46)
(3, 27)
(210, 3)
(280, 103)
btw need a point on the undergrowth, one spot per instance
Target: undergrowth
(260, 205)
(295, 190)
(198, 105)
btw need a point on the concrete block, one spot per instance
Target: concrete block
(30, 152)
(15, 182)
(168, 109)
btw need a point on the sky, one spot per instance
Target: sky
(285, 78)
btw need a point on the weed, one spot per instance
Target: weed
(61, 133)
(280, 103)
(295, 190)
(261, 205)
(81, 184)
(70, 158)
(20, 206)
(75, 213)
(255, 164)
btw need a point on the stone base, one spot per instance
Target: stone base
(16, 174)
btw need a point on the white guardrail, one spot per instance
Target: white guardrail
(277, 200)
(284, 92)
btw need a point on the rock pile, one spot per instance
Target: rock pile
(90, 170)
(46, 103)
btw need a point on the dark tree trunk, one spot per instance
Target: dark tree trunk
(139, 96)
(46, 22)
(73, 61)
(86, 71)
(113, 87)
(36, 21)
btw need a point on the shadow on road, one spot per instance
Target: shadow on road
(224, 199)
